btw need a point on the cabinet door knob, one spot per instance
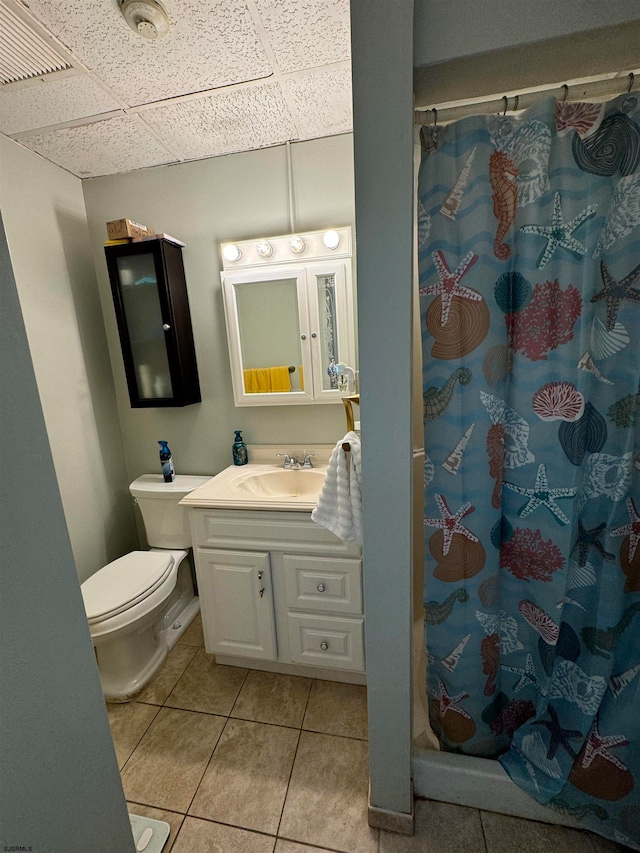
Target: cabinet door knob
(261, 592)
(303, 337)
(313, 335)
(324, 646)
(260, 574)
(321, 587)
(166, 327)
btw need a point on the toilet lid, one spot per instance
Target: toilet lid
(124, 582)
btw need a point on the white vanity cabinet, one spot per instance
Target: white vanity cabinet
(279, 592)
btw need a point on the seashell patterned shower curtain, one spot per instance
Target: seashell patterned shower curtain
(529, 255)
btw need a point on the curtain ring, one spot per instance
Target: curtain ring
(435, 116)
(506, 104)
(631, 79)
(565, 93)
(516, 102)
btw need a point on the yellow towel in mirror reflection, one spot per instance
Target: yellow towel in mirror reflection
(266, 380)
(301, 378)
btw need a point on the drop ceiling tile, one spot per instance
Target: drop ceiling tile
(236, 120)
(211, 43)
(101, 148)
(323, 102)
(52, 101)
(306, 33)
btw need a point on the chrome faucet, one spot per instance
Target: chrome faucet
(292, 463)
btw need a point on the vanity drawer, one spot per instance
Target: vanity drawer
(256, 530)
(326, 641)
(322, 583)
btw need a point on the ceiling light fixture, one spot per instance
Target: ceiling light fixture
(297, 245)
(147, 18)
(331, 239)
(231, 253)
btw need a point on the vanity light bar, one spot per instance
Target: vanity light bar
(314, 245)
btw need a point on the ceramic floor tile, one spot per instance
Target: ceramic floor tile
(172, 818)
(267, 697)
(246, 780)
(128, 722)
(283, 846)
(206, 686)
(337, 709)
(327, 800)
(193, 636)
(439, 828)
(505, 834)
(177, 661)
(167, 766)
(202, 836)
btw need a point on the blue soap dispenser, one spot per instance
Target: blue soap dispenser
(240, 456)
(168, 471)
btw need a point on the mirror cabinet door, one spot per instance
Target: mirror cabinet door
(268, 336)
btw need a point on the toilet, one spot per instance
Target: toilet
(139, 605)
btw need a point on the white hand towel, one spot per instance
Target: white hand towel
(339, 507)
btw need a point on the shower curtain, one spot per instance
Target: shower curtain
(529, 257)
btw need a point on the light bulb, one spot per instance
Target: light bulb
(231, 253)
(297, 245)
(264, 249)
(331, 239)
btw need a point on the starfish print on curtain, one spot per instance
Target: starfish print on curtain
(632, 530)
(601, 745)
(449, 284)
(588, 539)
(542, 495)
(450, 524)
(558, 234)
(559, 736)
(614, 292)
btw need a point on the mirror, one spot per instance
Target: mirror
(289, 312)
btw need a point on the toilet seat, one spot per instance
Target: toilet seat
(125, 582)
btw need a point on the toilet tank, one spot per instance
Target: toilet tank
(165, 521)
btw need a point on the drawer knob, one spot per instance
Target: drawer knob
(324, 646)
(321, 587)
(261, 592)
(260, 574)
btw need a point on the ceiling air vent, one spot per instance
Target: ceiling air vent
(25, 51)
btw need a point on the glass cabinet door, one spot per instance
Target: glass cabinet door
(143, 317)
(330, 326)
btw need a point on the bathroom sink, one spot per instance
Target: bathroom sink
(283, 483)
(261, 487)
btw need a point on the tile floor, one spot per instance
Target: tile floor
(242, 761)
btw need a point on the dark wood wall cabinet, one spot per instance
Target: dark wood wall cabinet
(152, 310)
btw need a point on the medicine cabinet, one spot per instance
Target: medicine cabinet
(289, 311)
(152, 310)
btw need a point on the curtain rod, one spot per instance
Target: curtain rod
(592, 89)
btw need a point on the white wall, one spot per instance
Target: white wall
(448, 29)
(46, 227)
(237, 197)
